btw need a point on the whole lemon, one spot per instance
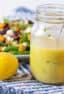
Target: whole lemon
(8, 65)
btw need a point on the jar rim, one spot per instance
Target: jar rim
(51, 13)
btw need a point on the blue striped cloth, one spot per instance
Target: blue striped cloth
(16, 85)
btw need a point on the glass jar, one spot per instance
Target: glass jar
(47, 44)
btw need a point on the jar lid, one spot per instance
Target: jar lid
(50, 13)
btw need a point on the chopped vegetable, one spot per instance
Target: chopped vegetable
(0, 49)
(13, 28)
(6, 21)
(22, 48)
(24, 26)
(2, 25)
(1, 38)
(24, 39)
(29, 36)
(11, 48)
(17, 29)
(20, 53)
(9, 32)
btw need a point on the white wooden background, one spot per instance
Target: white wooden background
(7, 5)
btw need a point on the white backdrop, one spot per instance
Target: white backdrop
(7, 5)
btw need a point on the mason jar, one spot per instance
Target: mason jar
(47, 44)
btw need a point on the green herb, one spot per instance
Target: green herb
(24, 39)
(21, 53)
(10, 48)
(24, 26)
(6, 21)
(13, 28)
(45, 29)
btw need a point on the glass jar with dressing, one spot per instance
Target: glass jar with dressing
(47, 44)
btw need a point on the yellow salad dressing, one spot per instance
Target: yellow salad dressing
(47, 64)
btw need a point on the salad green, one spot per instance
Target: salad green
(15, 37)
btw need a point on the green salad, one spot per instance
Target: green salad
(15, 36)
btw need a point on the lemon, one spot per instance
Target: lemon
(8, 65)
